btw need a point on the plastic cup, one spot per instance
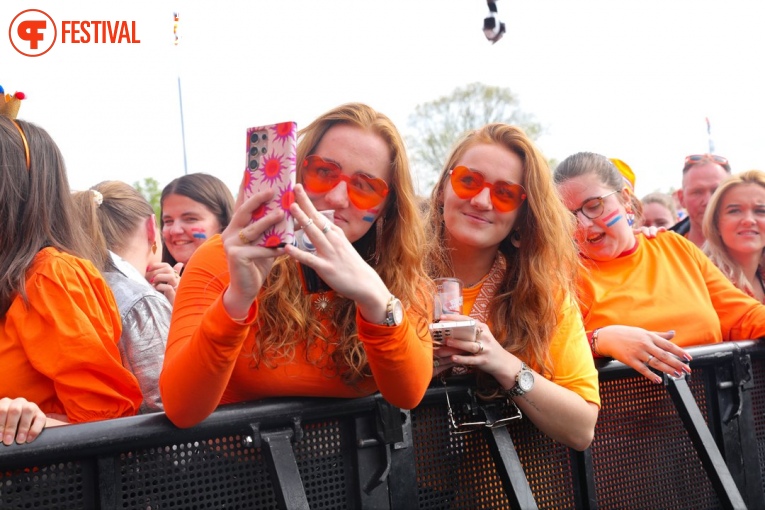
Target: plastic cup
(448, 297)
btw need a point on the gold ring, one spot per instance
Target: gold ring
(244, 237)
(436, 363)
(310, 222)
(326, 227)
(480, 347)
(650, 357)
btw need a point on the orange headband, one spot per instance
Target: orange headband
(23, 139)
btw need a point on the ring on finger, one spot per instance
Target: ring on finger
(650, 357)
(310, 222)
(243, 237)
(436, 363)
(480, 347)
(325, 228)
(478, 333)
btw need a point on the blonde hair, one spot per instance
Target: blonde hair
(112, 222)
(714, 246)
(663, 200)
(541, 272)
(287, 317)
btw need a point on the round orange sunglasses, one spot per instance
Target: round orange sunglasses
(364, 191)
(505, 196)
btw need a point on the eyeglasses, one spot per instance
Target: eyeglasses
(592, 208)
(364, 191)
(467, 183)
(695, 159)
(472, 426)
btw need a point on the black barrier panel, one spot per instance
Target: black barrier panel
(456, 471)
(642, 456)
(758, 407)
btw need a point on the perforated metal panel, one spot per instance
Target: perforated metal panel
(642, 456)
(213, 473)
(758, 409)
(458, 471)
(322, 466)
(218, 472)
(55, 486)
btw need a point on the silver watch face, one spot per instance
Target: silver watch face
(526, 380)
(398, 312)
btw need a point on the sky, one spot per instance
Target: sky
(632, 80)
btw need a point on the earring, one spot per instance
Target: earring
(630, 217)
(154, 247)
(378, 239)
(515, 238)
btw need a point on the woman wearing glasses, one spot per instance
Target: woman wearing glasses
(734, 227)
(243, 326)
(499, 226)
(644, 299)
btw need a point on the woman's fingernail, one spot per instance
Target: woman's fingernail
(677, 373)
(686, 369)
(21, 438)
(657, 380)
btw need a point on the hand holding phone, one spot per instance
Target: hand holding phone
(271, 152)
(461, 330)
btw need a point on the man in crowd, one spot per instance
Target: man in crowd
(702, 174)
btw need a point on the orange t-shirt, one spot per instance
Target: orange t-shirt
(208, 359)
(61, 351)
(667, 283)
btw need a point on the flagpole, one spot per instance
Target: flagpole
(709, 137)
(176, 17)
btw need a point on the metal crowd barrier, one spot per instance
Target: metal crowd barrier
(696, 442)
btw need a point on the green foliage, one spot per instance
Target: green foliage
(436, 125)
(152, 192)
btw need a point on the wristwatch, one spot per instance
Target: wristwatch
(524, 381)
(394, 312)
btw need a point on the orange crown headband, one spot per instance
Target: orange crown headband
(9, 107)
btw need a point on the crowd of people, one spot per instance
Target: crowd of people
(106, 312)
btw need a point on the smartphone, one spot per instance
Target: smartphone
(461, 330)
(271, 153)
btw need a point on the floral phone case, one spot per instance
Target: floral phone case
(271, 153)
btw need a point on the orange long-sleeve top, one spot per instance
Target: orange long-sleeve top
(208, 360)
(61, 350)
(667, 283)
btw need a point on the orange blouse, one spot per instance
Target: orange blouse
(208, 360)
(60, 351)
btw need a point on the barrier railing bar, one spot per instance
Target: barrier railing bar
(508, 464)
(276, 446)
(702, 439)
(107, 482)
(738, 442)
(585, 496)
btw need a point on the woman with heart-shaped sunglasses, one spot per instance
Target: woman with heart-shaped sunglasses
(245, 328)
(499, 226)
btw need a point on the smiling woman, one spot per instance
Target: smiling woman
(194, 207)
(642, 299)
(734, 226)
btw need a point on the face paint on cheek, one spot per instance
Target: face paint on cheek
(613, 221)
(198, 233)
(371, 215)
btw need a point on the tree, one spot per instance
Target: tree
(437, 125)
(151, 192)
